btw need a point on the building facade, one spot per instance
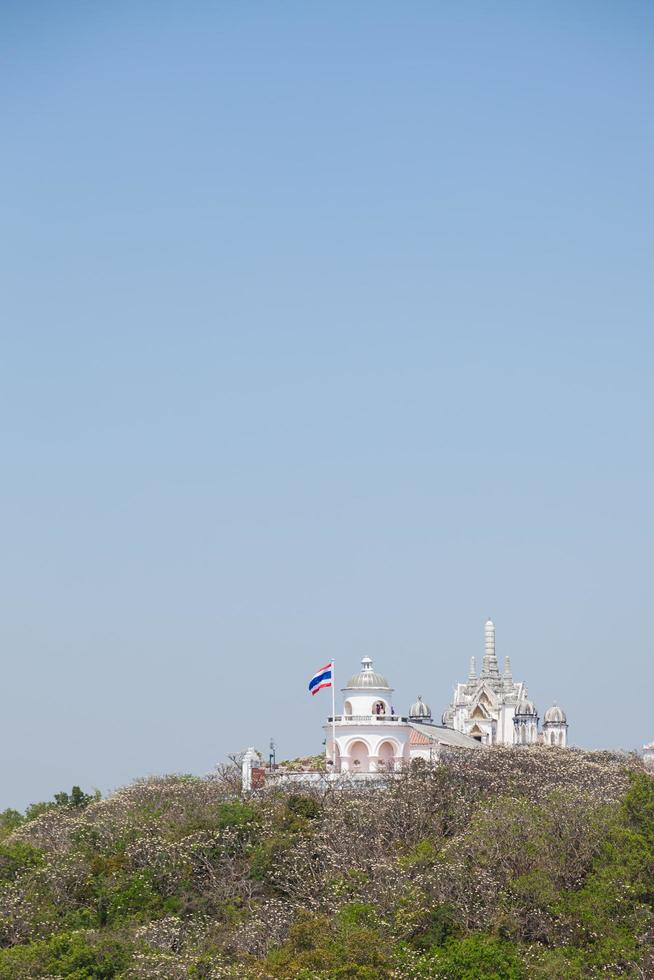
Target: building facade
(368, 736)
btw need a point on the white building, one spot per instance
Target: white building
(371, 737)
(495, 710)
(648, 754)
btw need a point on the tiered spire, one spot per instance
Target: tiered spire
(490, 668)
(507, 675)
(472, 676)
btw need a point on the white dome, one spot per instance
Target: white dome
(419, 709)
(448, 718)
(555, 716)
(525, 708)
(367, 678)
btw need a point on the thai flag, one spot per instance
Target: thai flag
(322, 679)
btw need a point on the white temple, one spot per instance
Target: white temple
(369, 738)
(489, 709)
(495, 710)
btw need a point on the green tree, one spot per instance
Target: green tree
(477, 957)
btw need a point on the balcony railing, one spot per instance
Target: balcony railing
(367, 719)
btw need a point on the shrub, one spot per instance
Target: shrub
(477, 957)
(17, 858)
(75, 955)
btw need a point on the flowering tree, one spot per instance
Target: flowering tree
(504, 862)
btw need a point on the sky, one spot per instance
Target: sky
(326, 332)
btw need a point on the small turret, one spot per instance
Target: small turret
(420, 711)
(525, 721)
(555, 726)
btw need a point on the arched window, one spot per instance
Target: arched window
(347, 708)
(379, 708)
(335, 757)
(359, 756)
(386, 753)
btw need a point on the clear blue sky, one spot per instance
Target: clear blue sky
(326, 331)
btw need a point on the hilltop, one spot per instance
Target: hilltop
(505, 863)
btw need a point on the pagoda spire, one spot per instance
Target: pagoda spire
(490, 667)
(507, 676)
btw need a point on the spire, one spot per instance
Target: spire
(472, 673)
(490, 667)
(508, 676)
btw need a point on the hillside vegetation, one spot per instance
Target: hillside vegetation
(535, 863)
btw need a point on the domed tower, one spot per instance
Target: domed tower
(525, 722)
(367, 693)
(555, 727)
(420, 711)
(369, 736)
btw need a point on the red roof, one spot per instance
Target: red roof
(417, 738)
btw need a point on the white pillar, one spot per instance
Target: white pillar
(250, 758)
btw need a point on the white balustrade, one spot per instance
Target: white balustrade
(367, 719)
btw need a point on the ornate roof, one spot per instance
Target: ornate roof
(525, 708)
(555, 716)
(367, 678)
(419, 709)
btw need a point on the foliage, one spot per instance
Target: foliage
(475, 957)
(75, 955)
(535, 863)
(305, 763)
(76, 798)
(9, 820)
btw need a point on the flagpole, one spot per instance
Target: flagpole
(333, 718)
